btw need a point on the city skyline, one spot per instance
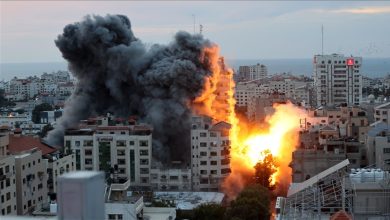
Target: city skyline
(267, 30)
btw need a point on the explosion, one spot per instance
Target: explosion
(163, 85)
(250, 144)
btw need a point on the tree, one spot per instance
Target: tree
(253, 203)
(36, 113)
(45, 130)
(209, 212)
(264, 170)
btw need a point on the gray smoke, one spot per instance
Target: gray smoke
(116, 73)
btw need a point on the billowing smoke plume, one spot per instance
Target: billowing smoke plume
(116, 73)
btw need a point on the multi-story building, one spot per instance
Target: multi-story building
(7, 185)
(382, 113)
(210, 147)
(378, 146)
(170, 179)
(337, 79)
(4, 140)
(122, 150)
(56, 166)
(31, 181)
(252, 72)
(49, 117)
(257, 71)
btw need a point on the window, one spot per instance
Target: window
(213, 153)
(144, 170)
(143, 143)
(88, 143)
(111, 217)
(8, 196)
(203, 162)
(203, 172)
(214, 172)
(386, 150)
(121, 161)
(203, 134)
(77, 143)
(88, 152)
(120, 143)
(120, 216)
(203, 154)
(131, 142)
(121, 152)
(203, 144)
(144, 162)
(213, 134)
(213, 162)
(173, 177)
(144, 152)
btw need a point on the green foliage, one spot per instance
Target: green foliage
(253, 203)
(36, 117)
(45, 130)
(209, 212)
(264, 170)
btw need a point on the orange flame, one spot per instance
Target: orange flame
(247, 142)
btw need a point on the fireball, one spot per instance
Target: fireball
(248, 142)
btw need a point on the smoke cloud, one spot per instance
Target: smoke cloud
(116, 73)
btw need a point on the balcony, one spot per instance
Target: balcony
(120, 186)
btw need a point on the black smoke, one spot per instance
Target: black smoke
(117, 73)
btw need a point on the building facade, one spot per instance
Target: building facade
(337, 79)
(31, 181)
(7, 186)
(123, 151)
(210, 150)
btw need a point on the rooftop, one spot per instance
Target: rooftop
(21, 143)
(190, 200)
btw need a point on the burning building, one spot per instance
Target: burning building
(164, 86)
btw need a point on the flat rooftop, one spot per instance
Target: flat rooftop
(190, 200)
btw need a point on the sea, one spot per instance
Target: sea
(371, 67)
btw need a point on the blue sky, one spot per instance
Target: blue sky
(243, 30)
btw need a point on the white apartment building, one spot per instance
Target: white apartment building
(31, 181)
(170, 179)
(337, 79)
(210, 150)
(382, 113)
(125, 150)
(7, 186)
(253, 72)
(57, 166)
(244, 92)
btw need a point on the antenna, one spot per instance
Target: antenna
(193, 16)
(200, 29)
(322, 39)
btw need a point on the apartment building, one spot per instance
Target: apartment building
(382, 113)
(170, 179)
(123, 150)
(7, 186)
(378, 146)
(337, 79)
(210, 147)
(31, 181)
(58, 164)
(4, 140)
(252, 72)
